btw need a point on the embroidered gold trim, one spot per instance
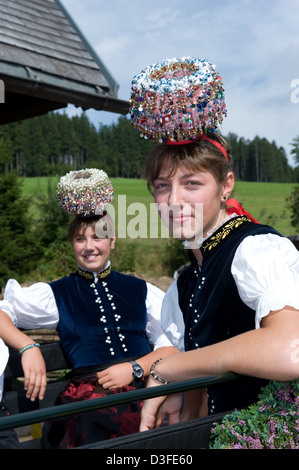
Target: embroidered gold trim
(88, 275)
(223, 232)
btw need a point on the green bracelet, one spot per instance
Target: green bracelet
(29, 346)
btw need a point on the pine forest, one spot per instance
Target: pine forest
(34, 229)
(55, 143)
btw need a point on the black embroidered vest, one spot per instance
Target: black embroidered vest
(213, 310)
(102, 322)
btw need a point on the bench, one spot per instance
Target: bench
(15, 396)
(190, 435)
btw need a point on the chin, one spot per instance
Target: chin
(89, 267)
(181, 234)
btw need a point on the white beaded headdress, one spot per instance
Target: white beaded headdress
(177, 100)
(86, 192)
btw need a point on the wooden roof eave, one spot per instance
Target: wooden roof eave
(65, 92)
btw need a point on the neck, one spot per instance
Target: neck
(102, 273)
(216, 223)
(198, 255)
(213, 226)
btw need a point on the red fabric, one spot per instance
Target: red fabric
(214, 142)
(203, 136)
(92, 426)
(238, 209)
(180, 142)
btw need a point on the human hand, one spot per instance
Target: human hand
(155, 410)
(116, 376)
(35, 373)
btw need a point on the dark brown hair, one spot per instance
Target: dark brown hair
(81, 223)
(197, 156)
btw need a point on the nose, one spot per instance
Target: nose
(89, 244)
(175, 196)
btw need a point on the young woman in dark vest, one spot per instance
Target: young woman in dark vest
(235, 308)
(108, 322)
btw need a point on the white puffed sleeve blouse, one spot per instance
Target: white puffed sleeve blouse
(266, 271)
(35, 307)
(3, 362)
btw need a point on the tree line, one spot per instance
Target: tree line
(55, 143)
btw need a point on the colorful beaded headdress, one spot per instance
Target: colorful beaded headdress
(177, 100)
(85, 192)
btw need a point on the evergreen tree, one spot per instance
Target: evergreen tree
(295, 149)
(54, 144)
(51, 227)
(50, 131)
(36, 149)
(293, 204)
(18, 251)
(17, 133)
(6, 150)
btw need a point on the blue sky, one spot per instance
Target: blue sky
(253, 43)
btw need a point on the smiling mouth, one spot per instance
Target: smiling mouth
(90, 257)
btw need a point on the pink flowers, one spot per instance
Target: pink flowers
(271, 423)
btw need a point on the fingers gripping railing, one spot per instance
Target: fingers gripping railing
(53, 412)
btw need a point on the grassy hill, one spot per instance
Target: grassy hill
(141, 249)
(265, 201)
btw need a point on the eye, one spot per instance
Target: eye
(193, 183)
(160, 185)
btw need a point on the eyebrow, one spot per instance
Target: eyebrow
(184, 176)
(161, 178)
(189, 175)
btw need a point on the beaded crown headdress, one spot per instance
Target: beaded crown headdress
(86, 192)
(177, 100)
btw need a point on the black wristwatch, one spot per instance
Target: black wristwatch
(137, 370)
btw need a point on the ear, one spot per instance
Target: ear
(112, 243)
(228, 185)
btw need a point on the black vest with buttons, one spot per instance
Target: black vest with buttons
(213, 310)
(101, 322)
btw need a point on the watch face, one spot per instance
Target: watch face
(138, 371)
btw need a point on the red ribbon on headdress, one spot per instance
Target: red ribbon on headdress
(202, 136)
(237, 208)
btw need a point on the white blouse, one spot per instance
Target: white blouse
(266, 271)
(35, 307)
(3, 362)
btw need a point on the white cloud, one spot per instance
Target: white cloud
(254, 44)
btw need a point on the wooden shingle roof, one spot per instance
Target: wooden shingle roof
(46, 63)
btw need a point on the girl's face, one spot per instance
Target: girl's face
(92, 253)
(190, 202)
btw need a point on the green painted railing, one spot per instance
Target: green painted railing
(37, 416)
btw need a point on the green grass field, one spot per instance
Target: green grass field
(265, 201)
